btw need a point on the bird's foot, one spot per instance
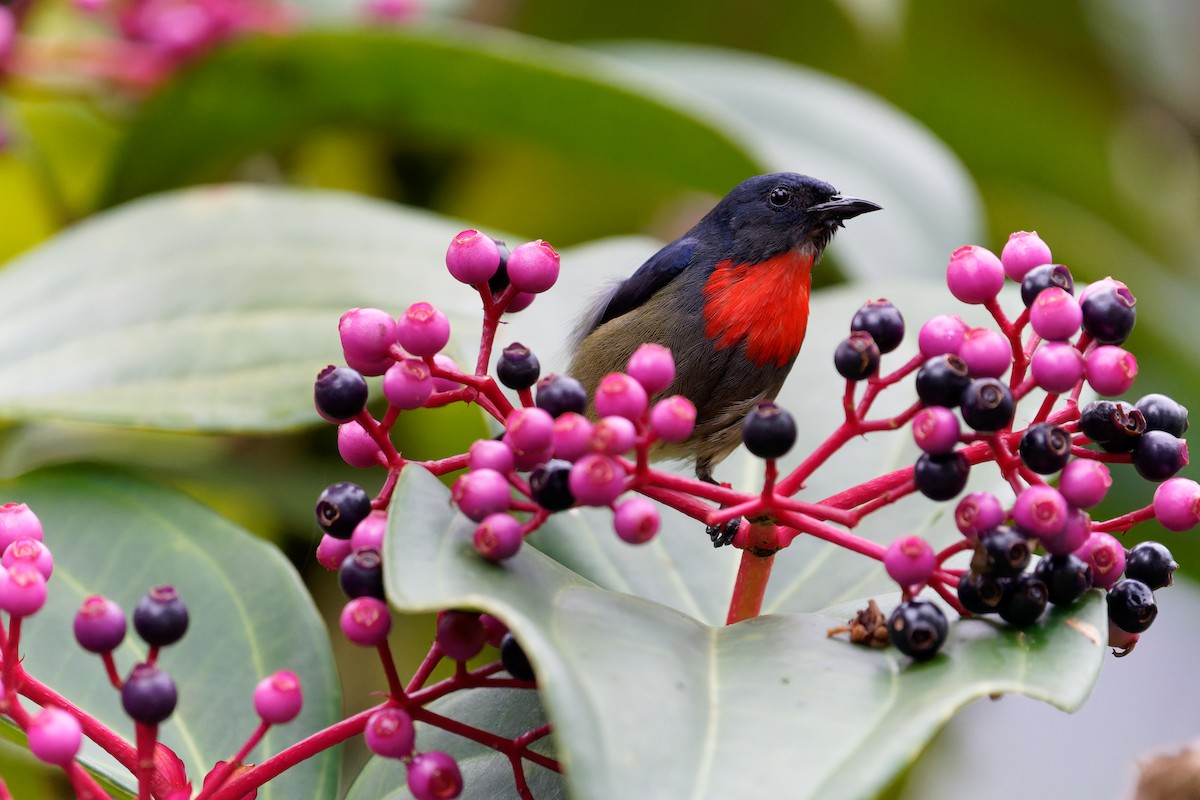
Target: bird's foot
(722, 535)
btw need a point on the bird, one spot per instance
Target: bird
(729, 299)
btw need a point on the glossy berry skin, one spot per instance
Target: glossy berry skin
(340, 507)
(1066, 576)
(356, 447)
(472, 257)
(941, 380)
(1023, 251)
(408, 383)
(1056, 367)
(361, 574)
(1072, 536)
(978, 513)
(621, 396)
(917, 628)
(423, 330)
(910, 561)
(596, 480)
(529, 430)
(1055, 315)
(389, 733)
(653, 366)
(366, 621)
(1045, 448)
(331, 552)
(572, 435)
(883, 321)
(1044, 277)
(17, 521)
(498, 537)
(1084, 482)
(769, 431)
(514, 660)
(54, 736)
(460, 634)
(941, 477)
(935, 430)
(636, 520)
(1116, 427)
(369, 533)
(481, 493)
(1158, 455)
(1025, 599)
(1106, 556)
(559, 394)
(673, 418)
(1163, 414)
(550, 486)
(1151, 563)
(1110, 370)
(1109, 311)
(31, 551)
(981, 593)
(99, 625)
(613, 436)
(1041, 511)
(941, 335)
(518, 368)
(149, 695)
(988, 405)
(278, 698)
(987, 353)
(22, 589)
(434, 776)
(160, 617)
(974, 274)
(1177, 504)
(339, 393)
(1131, 606)
(533, 266)
(490, 454)
(856, 357)
(1002, 552)
(367, 334)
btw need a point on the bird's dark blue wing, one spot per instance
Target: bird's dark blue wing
(635, 290)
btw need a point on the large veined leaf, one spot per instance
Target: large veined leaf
(249, 615)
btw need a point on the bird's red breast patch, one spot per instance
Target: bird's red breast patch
(764, 304)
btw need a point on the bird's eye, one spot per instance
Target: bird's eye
(780, 196)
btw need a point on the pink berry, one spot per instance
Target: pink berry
(394, 11)
(498, 537)
(520, 302)
(1071, 537)
(572, 435)
(32, 551)
(653, 366)
(490, 454)
(1110, 370)
(1022, 252)
(366, 335)
(366, 621)
(460, 634)
(434, 776)
(1056, 367)
(55, 736)
(620, 395)
(369, 532)
(277, 698)
(1177, 504)
(978, 513)
(613, 436)
(1040, 511)
(596, 480)
(941, 335)
(673, 418)
(389, 733)
(481, 492)
(529, 460)
(22, 589)
(99, 625)
(18, 521)
(408, 384)
(987, 352)
(935, 430)
(974, 274)
(1084, 482)
(529, 429)
(1106, 556)
(473, 257)
(910, 561)
(1055, 314)
(636, 520)
(445, 384)
(357, 448)
(533, 267)
(423, 330)
(495, 629)
(331, 551)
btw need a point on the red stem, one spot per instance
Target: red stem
(753, 573)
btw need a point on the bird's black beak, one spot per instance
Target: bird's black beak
(840, 208)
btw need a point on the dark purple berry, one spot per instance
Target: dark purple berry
(160, 617)
(917, 628)
(460, 634)
(1115, 426)
(1131, 605)
(341, 507)
(1158, 455)
(883, 321)
(1109, 312)
(1024, 601)
(769, 431)
(856, 357)
(1002, 552)
(941, 477)
(499, 280)
(339, 393)
(99, 625)
(942, 379)
(1044, 277)
(361, 573)
(514, 660)
(1163, 414)
(988, 405)
(1045, 448)
(980, 593)
(559, 394)
(518, 368)
(1067, 577)
(1151, 563)
(550, 485)
(148, 695)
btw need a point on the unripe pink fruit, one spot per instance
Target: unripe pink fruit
(1022, 252)
(673, 418)
(910, 561)
(941, 334)
(636, 520)
(389, 733)
(278, 698)
(974, 274)
(472, 257)
(55, 736)
(367, 334)
(423, 330)
(620, 395)
(653, 367)
(533, 267)
(407, 384)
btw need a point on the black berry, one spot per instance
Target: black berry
(980, 593)
(341, 507)
(942, 379)
(769, 431)
(857, 356)
(1002, 552)
(1163, 414)
(917, 628)
(1024, 601)
(1066, 576)
(339, 393)
(361, 574)
(518, 368)
(499, 281)
(558, 394)
(1109, 313)
(549, 487)
(514, 660)
(941, 477)
(148, 695)
(1045, 448)
(160, 617)
(1151, 563)
(988, 405)
(1158, 455)
(883, 321)
(1115, 426)
(1131, 605)
(1044, 277)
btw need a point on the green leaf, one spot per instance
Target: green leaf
(249, 615)
(452, 85)
(642, 695)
